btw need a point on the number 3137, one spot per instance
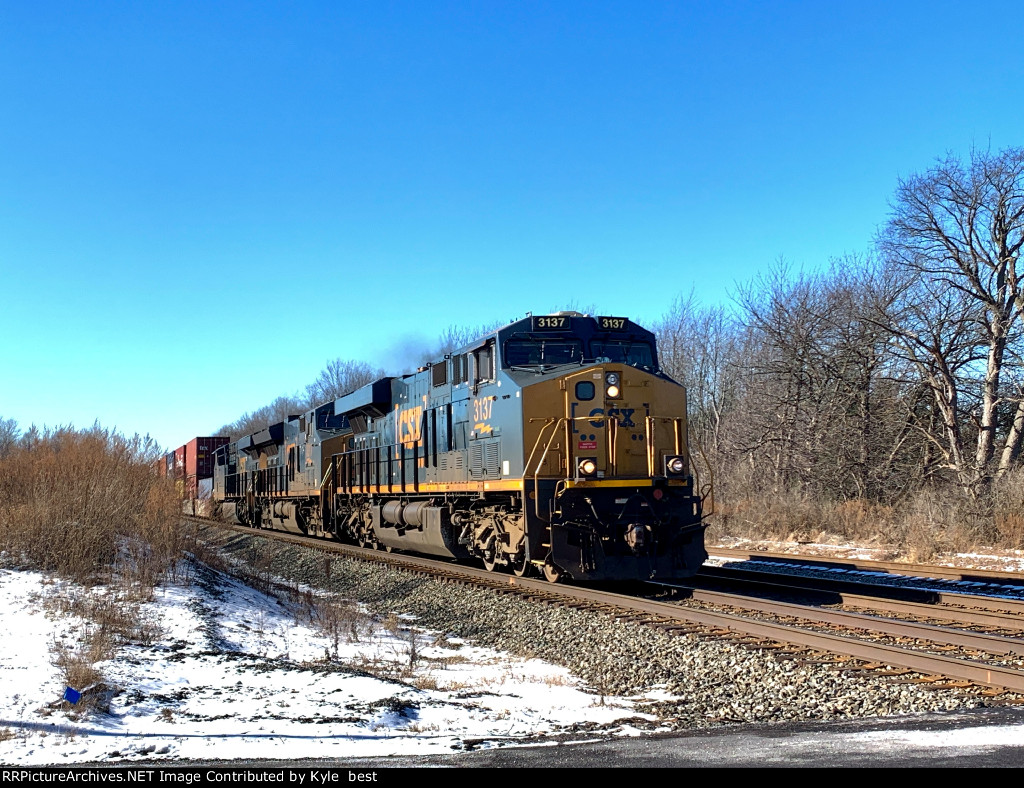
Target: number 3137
(482, 409)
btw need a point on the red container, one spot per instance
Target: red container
(193, 462)
(199, 455)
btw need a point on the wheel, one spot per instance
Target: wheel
(521, 565)
(490, 559)
(552, 573)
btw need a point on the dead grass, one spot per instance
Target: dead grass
(110, 619)
(392, 623)
(78, 669)
(922, 526)
(425, 682)
(1008, 510)
(338, 620)
(114, 614)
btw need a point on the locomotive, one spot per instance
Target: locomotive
(553, 446)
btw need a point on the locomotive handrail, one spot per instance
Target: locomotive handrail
(327, 501)
(678, 424)
(536, 443)
(564, 420)
(543, 456)
(344, 463)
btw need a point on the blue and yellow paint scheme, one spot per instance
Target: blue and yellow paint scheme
(554, 445)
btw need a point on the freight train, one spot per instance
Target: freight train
(553, 446)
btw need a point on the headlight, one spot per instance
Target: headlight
(612, 392)
(612, 378)
(587, 466)
(675, 465)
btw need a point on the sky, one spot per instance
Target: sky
(201, 204)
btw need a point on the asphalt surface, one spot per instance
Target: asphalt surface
(984, 738)
(941, 740)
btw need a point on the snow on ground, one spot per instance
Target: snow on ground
(237, 674)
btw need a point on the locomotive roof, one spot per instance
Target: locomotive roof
(578, 324)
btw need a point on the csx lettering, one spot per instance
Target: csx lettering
(482, 409)
(624, 416)
(409, 422)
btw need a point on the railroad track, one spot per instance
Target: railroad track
(979, 576)
(978, 613)
(900, 649)
(1000, 611)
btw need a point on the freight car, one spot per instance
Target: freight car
(554, 445)
(191, 468)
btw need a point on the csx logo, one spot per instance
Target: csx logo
(624, 416)
(409, 422)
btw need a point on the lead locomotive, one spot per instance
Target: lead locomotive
(554, 445)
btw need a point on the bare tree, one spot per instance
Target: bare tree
(9, 434)
(933, 330)
(278, 410)
(956, 232)
(697, 346)
(338, 378)
(821, 404)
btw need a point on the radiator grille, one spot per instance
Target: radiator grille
(485, 459)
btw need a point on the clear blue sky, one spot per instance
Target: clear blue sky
(201, 203)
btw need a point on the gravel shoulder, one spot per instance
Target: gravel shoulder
(689, 683)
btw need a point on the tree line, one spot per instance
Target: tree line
(891, 382)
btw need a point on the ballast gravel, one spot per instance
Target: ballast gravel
(688, 681)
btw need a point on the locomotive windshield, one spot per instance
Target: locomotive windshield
(533, 350)
(623, 351)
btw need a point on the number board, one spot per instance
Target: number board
(612, 323)
(551, 323)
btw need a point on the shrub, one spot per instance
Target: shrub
(87, 503)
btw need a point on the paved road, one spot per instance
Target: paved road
(986, 738)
